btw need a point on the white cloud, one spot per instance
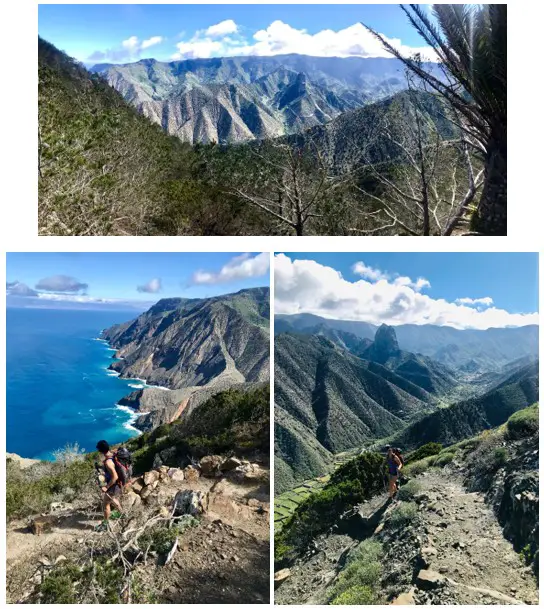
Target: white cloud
(373, 275)
(129, 50)
(151, 42)
(487, 301)
(151, 287)
(304, 286)
(281, 38)
(240, 267)
(367, 272)
(222, 29)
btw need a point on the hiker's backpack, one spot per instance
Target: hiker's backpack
(122, 459)
(399, 455)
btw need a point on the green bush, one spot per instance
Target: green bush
(409, 490)
(357, 595)
(361, 577)
(523, 423)
(161, 538)
(403, 514)
(354, 481)
(31, 490)
(418, 467)
(469, 444)
(500, 456)
(101, 582)
(444, 459)
(427, 450)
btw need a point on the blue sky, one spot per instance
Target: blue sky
(132, 279)
(114, 33)
(458, 289)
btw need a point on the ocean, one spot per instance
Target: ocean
(59, 390)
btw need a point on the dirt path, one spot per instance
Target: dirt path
(463, 545)
(223, 560)
(453, 552)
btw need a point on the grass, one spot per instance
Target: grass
(444, 459)
(409, 490)
(404, 514)
(31, 491)
(522, 423)
(427, 450)
(418, 467)
(359, 581)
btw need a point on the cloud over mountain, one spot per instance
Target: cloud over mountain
(305, 286)
(240, 267)
(151, 287)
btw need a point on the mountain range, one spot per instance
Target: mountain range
(238, 99)
(480, 350)
(343, 385)
(193, 347)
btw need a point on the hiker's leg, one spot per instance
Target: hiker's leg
(391, 486)
(107, 507)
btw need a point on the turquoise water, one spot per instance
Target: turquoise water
(59, 390)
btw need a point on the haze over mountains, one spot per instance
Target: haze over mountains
(196, 348)
(342, 384)
(238, 99)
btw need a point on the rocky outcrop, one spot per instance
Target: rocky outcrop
(192, 349)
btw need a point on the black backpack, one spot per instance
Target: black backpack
(122, 459)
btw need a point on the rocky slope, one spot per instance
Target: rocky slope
(463, 532)
(483, 350)
(328, 400)
(219, 549)
(193, 347)
(236, 99)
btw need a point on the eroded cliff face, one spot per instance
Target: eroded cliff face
(192, 349)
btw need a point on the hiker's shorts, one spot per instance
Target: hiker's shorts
(113, 494)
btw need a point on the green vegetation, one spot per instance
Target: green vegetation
(500, 456)
(359, 581)
(68, 583)
(356, 480)
(427, 450)
(230, 422)
(409, 490)
(444, 459)
(161, 538)
(404, 514)
(523, 423)
(32, 490)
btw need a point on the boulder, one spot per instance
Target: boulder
(191, 473)
(132, 500)
(406, 598)
(429, 580)
(250, 473)
(230, 464)
(190, 502)
(150, 477)
(168, 455)
(137, 485)
(280, 576)
(210, 465)
(176, 475)
(157, 461)
(146, 492)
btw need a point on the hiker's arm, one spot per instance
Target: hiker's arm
(114, 475)
(398, 462)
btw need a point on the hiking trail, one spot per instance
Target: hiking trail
(452, 552)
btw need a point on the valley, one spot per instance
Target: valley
(280, 143)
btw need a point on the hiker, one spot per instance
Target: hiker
(113, 489)
(394, 465)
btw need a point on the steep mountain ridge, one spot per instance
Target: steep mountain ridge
(469, 417)
(236, 99)
(195, 348)
(328, 400)
(488, 350)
